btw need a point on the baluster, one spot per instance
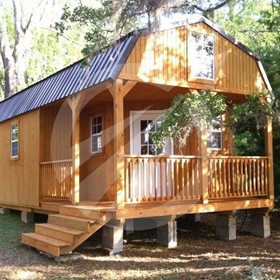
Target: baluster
(161, 182)
(150, 180)
(133, 183)
(188, 178)
(167, 187)
(258, 176)
(155, 179)
(145, 185)
(224, 174)
(183, 178)
(266, 176)
(194, 186)
(254, 178)
(172, 179)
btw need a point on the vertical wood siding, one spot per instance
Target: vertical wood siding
(163, 58)
(56, 126)
(96, 169)
(19, 184)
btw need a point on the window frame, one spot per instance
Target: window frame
(215, 130)
(192, 58)
(14, 157)
(99, 134)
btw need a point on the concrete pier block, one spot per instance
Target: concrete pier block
(167, 232)
(260, 224)
(112, 236)
(5, 211)
(27, 217)
(226, 226)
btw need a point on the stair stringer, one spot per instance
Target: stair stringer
(83, 237)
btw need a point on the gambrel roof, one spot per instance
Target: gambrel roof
(104, 66)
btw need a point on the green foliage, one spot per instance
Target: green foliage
(101, 24)
(255, 107)
(198, 110)
(189, 111)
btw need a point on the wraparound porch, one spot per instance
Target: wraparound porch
(163, 179)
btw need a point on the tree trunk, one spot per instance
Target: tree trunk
(10, 73)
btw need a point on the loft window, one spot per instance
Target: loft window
(214, 141)
(14, 141)
(202, 52)
(96, 134)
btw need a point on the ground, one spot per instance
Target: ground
(198, 256)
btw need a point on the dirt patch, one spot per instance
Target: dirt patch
(198, 256)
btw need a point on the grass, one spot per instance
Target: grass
(198, 256)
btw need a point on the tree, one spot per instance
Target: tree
(112, 19)
(14, 45)
(28, 44)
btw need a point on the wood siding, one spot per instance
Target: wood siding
(96, 169)
(56, 126)
(19, 184)
(163, 58)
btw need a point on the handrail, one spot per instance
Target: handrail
(56, 161)
(237, 157)
(162, 156)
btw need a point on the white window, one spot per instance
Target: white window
(96, 134)
(202, 54)
(14, 141)
(215, 135)
(148, 128)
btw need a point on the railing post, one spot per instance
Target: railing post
(75, 105)
(204, 166)
(118, 143)
(269, 153)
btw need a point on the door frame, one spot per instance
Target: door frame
(136, 116)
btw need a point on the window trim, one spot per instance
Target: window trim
(192, 56)
(14, 157)
(96, 134)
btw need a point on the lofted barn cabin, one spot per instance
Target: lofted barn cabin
(77, 145)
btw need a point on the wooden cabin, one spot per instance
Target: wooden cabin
(77, 145)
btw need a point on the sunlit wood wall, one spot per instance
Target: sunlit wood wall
(19, 178)
(163, 58)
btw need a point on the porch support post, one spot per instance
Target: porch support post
(226, 225)
(204, 166)
(269, 154)
(167, 231)
(260, 223)
(75, 105)
(118, 143)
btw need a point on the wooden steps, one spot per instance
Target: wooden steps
(47, 244)
(64, 232)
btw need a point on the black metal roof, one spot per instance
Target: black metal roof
(75, 78)
(72, 79)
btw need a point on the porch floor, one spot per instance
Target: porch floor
(162, 208)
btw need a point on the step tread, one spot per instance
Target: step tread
(61, 229)
(100, 209)
(77, 219)
(45, 239)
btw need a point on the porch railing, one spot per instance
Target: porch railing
(56, 180)
(237, 176)
(161, 178)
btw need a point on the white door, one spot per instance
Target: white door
(143, 125)
(148, 180)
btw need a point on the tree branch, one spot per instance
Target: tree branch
(68, 38)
